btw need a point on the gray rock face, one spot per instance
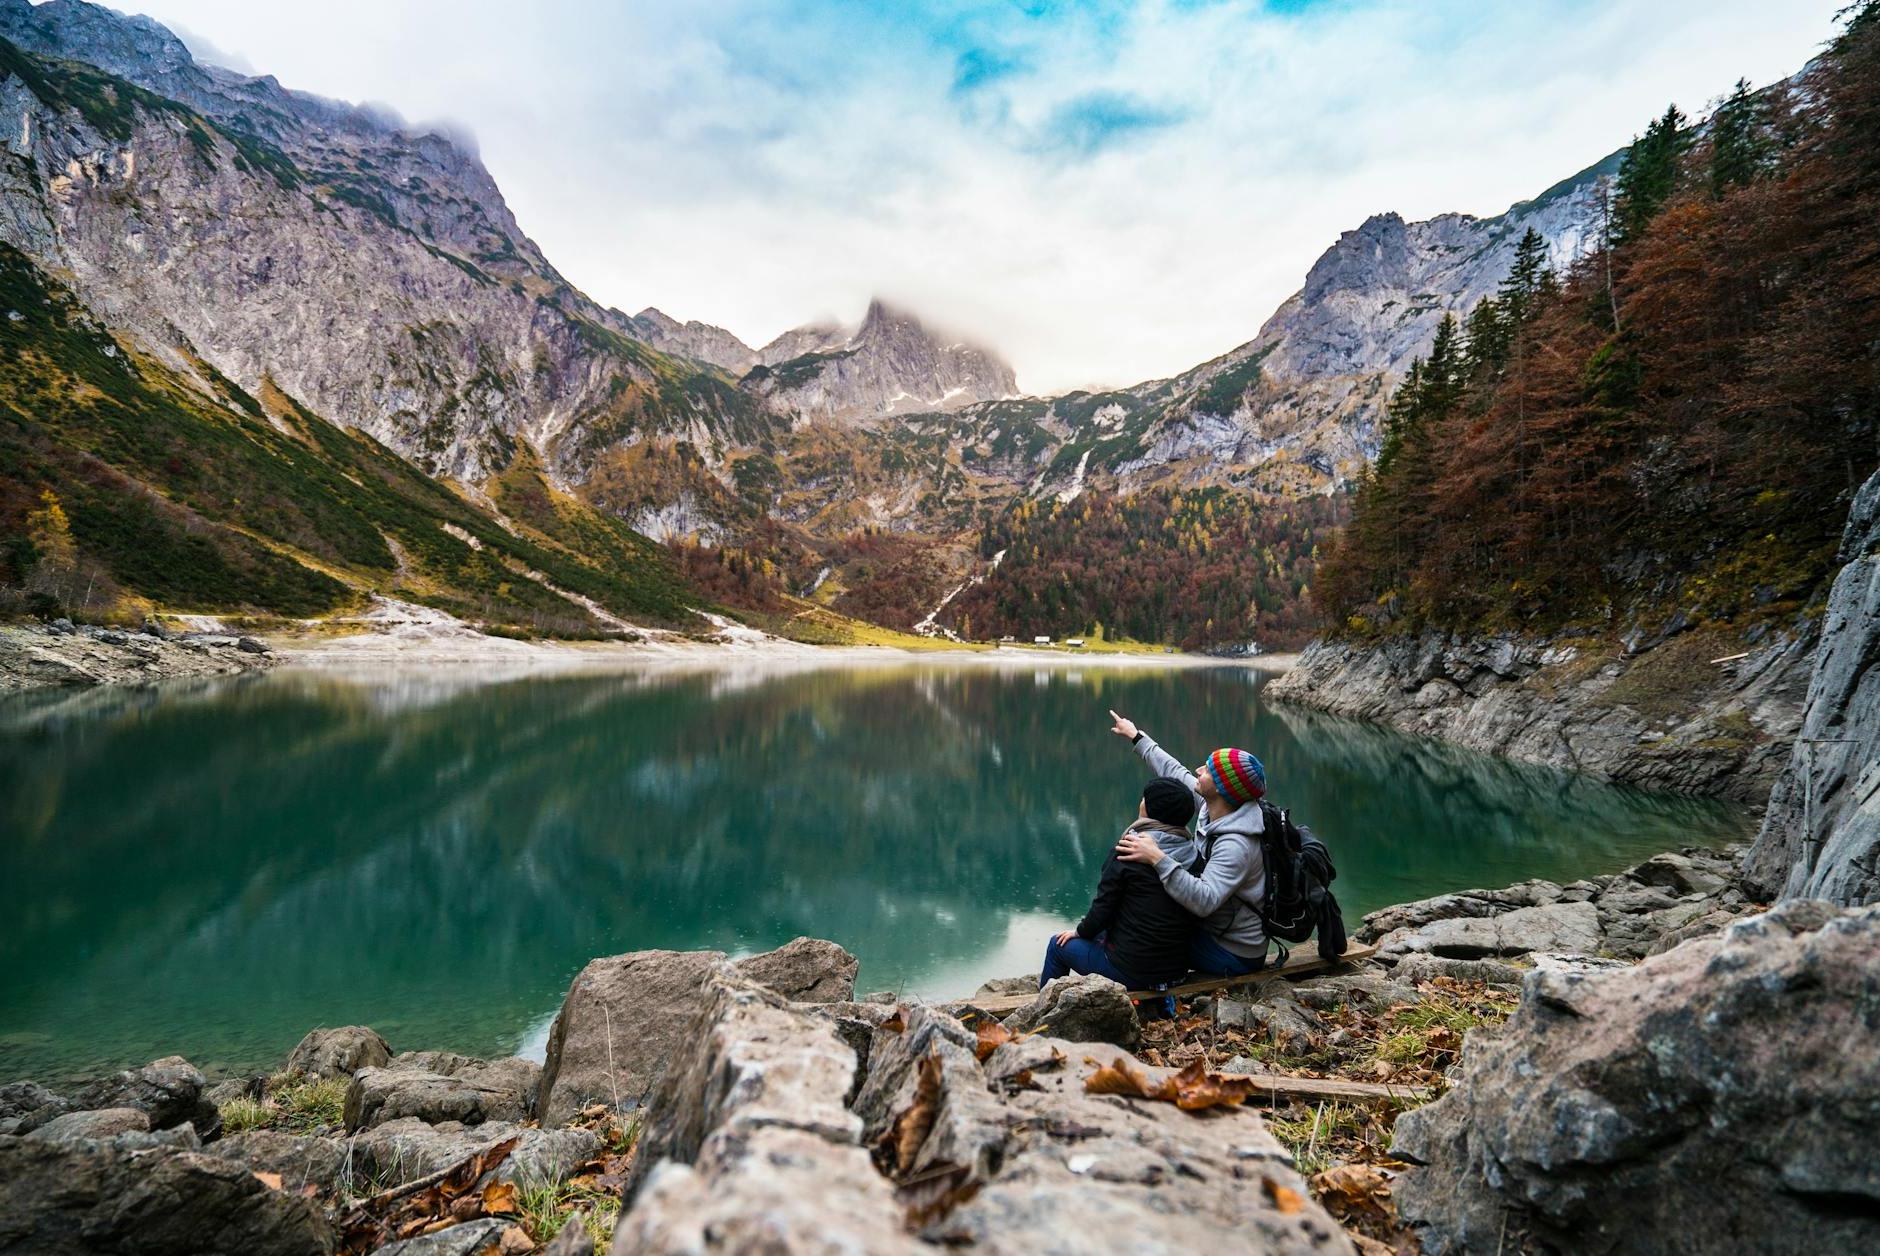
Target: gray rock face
(30, 659)
(1821, 835)
(71, 1199)
(103, 1123)
(1554, 703)
(1645, 909)
(748, 1151)
(339, 1052)
(473, 1094)
(804, 970)
(168, 1091)
(1718, 1097)
(301, 1160)
(1280, 1021)
(471, 1238)
(1080, 1009)
(625, 1016)
(889, 365)
(748, 1145)
(701, 342)
(407, 1149)
(371, 272)
(25, 1106)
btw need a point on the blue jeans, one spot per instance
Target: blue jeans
(1205, 955)
(1080, 955)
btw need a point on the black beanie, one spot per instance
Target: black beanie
(1168, 800)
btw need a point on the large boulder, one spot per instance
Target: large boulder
(1083, 1008)
(1552, 927)
(25, 1106)
(804, 970)
(475, 1092)
(87, 1199)
(626, 1015)
(407, 1149)
(299, 1159)
(169, 1091)
(623, 1018)
(1721, 1096)
(748, 1146)
(339, 1052)
(99, 1123)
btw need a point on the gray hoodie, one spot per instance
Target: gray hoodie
(1228, 893)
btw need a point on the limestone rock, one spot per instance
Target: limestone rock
(1281, 1022)
(470, 1238)
(1555, 927)
(100, 1123)
(339, 1052)
(169, 1091)
(1704, 1100)
(1415, 968)
(378, 1095)
(406, 1149)
(623, 1018)
(1542, 701)
(1820, 837)
(1142, 1176)
(301, 1160)
(805, 970)
(1083, 1008)
(748, 1146)
(24, 1106)
(86, 1199)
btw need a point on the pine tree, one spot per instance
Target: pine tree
(1528, 280)
(1485, 340)
(1739, 149)
(1648, 173)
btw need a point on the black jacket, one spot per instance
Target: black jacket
(1147, 930)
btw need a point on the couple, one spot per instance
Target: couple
(1167, 902)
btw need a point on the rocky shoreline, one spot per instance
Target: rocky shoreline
(691, 1102)
(1667, 717)
(64, 655)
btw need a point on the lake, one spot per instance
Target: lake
(211, 870)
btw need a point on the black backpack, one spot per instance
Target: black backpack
(1299, 873)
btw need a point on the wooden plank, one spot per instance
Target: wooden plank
(1299, 964)
(1281, 1089)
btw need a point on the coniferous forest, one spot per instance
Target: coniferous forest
(1678, 419)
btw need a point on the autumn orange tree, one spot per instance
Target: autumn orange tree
(1682, 418)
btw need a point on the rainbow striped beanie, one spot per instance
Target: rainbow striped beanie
(1238, 775)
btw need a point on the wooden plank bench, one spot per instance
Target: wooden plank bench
(1301, 963)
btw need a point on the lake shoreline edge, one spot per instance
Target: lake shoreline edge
(655, 1025)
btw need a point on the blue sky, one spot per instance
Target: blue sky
(1104, 192)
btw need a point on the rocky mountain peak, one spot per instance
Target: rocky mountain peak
(890, 363)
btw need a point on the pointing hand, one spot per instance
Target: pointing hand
(1123, 727)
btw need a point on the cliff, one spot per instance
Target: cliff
(1821, 835)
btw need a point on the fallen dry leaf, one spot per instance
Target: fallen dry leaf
(910, 1129)
(499, 1200)
(1355, 1190)
(992, 1036)
(1192, 1089)
(1285, 1198)
(514, 1241)
(897, 1023)
(270, 1180)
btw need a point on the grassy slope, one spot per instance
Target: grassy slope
(215, 504)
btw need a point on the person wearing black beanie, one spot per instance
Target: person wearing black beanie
(1134, 933)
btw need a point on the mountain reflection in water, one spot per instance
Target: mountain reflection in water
(214, 869)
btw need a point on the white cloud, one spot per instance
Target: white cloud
(1125, 192)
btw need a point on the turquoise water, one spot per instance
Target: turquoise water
(212, 870)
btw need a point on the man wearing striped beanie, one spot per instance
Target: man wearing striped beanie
(1228, 891)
